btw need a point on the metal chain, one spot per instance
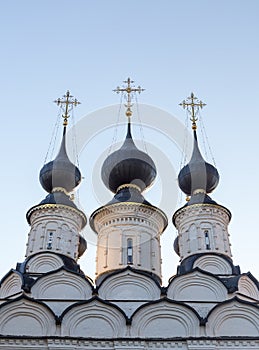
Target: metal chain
(74, 139)
(53, 139)
(205, 138)
(115, 133)
(141, 126)
(183, 157)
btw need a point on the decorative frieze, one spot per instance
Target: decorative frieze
(127, 344)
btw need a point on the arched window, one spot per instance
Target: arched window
(129, 251)
(50, 239)
(207, 239)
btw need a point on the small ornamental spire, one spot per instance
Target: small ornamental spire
(192, 104)
(66, 103)
(128, 89)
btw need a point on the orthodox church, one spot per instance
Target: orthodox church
(48, 302)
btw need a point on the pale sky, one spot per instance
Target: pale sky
(171, 48)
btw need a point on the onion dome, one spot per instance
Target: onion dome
(82, 246)
(128, 165)
(198, 175)
(60, 172)
(176, 246)
(60, 176)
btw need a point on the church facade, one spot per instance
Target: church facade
(48, 302)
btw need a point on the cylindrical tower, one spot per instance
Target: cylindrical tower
(56, 221)
(202, 224)
(128, 227)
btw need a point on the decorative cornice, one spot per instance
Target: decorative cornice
(199, 190)
(110, 207)
(200, 205)
(135, 187)
(56, 206)
(103, 343)
(60, 189)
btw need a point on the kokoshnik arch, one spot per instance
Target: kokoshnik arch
(48, 302)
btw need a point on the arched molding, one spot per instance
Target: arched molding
(24, 316)
(233, 318)
(129, 285)
(11, 284)
(165, 319)
(247, 287)
(62, 284)
(214, 264)
(43, 263)
(197, 286)
(93, 318)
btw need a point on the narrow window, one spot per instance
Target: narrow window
(129, 251)
(207, 239)
(50, 240)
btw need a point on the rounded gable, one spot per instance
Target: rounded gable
(196, 286)
(233, 318)
(214, 264)
(23, 316)
(11, 284)
(129, 285)
(43, 263)
(62, 285)
(165, 319)
(248, 288)
(93, 318)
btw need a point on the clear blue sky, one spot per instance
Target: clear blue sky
(169, 47)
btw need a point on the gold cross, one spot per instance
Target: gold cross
(64, 102)
(128, 89)
(192, 104)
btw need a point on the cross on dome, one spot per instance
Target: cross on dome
(192, 104)
(64, 102)
(128, 89)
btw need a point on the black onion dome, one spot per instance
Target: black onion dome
(128, 165)
(60, 172)
(128, 194)
(58, 197)
(198, 174)
(82, 246)
(176, 246)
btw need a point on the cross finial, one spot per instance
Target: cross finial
(128, 89)
(67, 102)
(192, 104)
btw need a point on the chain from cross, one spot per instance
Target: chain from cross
(64, 102)
(128, 89)
(192, 104)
